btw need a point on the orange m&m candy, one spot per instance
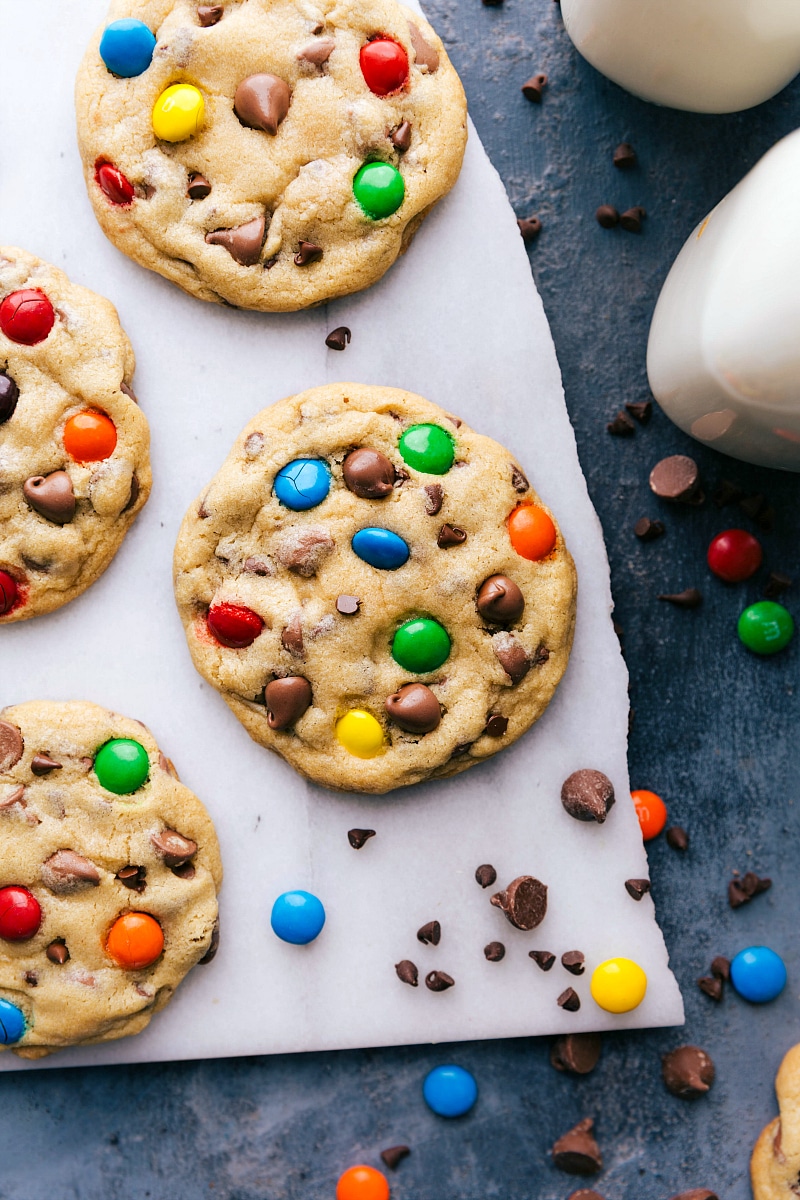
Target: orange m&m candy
(90, 436)
(651, 811)
(135, 940)
(532, 533)
(362, 1183)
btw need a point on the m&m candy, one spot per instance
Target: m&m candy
(380, 548)
(297, 917)
(12, 1023)
(428, 448)
(734, 555)
(362, 1183)
(122, 766)
(115, 186)
(384, 65)
(27, 316)
(90, 436)
(135, 941)
(651, 811)
(234, 625)
(618, 985)
(421, 645)
(379, 189)
(20, 914)
(450, 1091)
(178, 113)
(303, 484)
(532, 532)
(9, 593)
(758, 974)
(126, 47)
(360, 733)
(765, 627)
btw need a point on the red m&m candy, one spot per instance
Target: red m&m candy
(9, 593)
(234, 625)
(112, 183)
(20, 914)
(384, 65)
(27, 316)
(734, 555)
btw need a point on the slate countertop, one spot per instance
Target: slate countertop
(715, 733)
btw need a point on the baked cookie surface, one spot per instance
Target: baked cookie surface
(271, 154)
(349, 584)
(775, 1165)
(109, 877)
(74, 445)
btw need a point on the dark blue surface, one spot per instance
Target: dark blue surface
(715, 733)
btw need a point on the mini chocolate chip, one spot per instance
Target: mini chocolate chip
(577, 1152)
(711, 986)
(647, 530)
(450, 535)
(624, 156)
(512, 656)
(518, 480)
(199, 187)
(543, 959)
(400, 137)
(407, 972)
(676, 478)
(43, 764)
(394, 1155)
(578, 1053)
(588, 795)
(569, 1000)
(415, 708)
(721, 967)
(741, 891)
(65, 872)
(359, 837)
(11, 746)
(348, 606)
(688, 598)
(213, 946)
(777, 583)
(641, 410)
(434, 496)
(677, 838)
(438, 981)
(574, 962)
(9, 395)
(262, 101)
(307, 252)
(631, 219)
(607, 216)
(494, 952)
(133, 878)
(430, 934)
(524, 902)
(496, 725)
(243, 242)
(31, 978)
(533, 88)
(209, 14)
(530, 228)
(499, 600)
(368, 474)
(57, 952)
(688, 1072)
(339, 338)
(637, 888)
(621, 426)
(317, 52)
(286, 700)
(486, 875)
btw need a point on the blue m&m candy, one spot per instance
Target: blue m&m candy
(126, 47)
(450, 1091)
(380, 548)
(303, 483)
(12, 1023)
(297, 917)
(758, 974)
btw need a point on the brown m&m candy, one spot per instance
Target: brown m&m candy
(368, 473)
(286, 700)
(499, 600)
(414, 708)
(524, 902)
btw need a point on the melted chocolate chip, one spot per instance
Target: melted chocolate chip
(286, 700)
(9, 395)
(407, 972)
(439, 981)
(243, 242)
(578, 1053)
(424, 53)
(577, 1152)
(359, 837)
(434, 496)
(338, 339)
(414, 708)
(494, 952)
(588, 795)
(173, 847)
(262, 101)
(292, 637)
(688, 1072)
(317, 52)
(303, 550)
(133, 878)
(400, 137)
(543, 959)
(524, 902)
(569, 1000)
(11, 746)
(500, 601)
(637, 888)
(450, 535)
(430, 934)
(65, 872)
(51, 496)
(368, 474)
(496, 725)
(307, 252)
(348, 606)
(43, 764)
(512, 656)
(486, 875)
(209, 14)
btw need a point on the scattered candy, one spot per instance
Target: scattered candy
(574, 961)
(647, 530)
(427, 448)
(529, 227)
(359, 837)
(677, 838)
(742, 891)
(303, 484)
(641, 410)
(393, 1155)
(20, 914)
(624, 156)
(485, 875)
(384, 65)
(544, 959)
(734, 555)
(494, 952)
(379, 189)
(439, 981)
(362, 1183)
(407, 972)
(524, 902)
(450, 1091)
(577, 1152)
(687, 1072)
(122, 766)
(532, 532)
(262, 102)
(380, 548)
(421, 645)
(27, 316)
(618, 985)
(297, 918)
(578, 1053)
(533, 88)
(126, 47)
(115, 186)
(9, 593)
(234, 625)
(178, 113)
(90, 436)
(758, 974)
(135, 941)
(12, 1023)
(621, 426)
(588, 795)
(765, 627)
(9, 395)
(360, 733)
(651, 811)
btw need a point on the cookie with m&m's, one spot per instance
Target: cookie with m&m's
(270, 155)
(375, 589)
(74, 445)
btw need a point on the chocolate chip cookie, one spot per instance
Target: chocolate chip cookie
(272, 154)
(74, 445)
(375, 589)
(775, 1165)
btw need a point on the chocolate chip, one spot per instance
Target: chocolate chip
(57, 952)
(11, 746)
(262, 101)
(213, 946)
(51, 496)
(524, 902)
(676, 478)
(184, 871)
(543, 959)
(578, 1053)
(439, 981)
(415, 708)
(777, 583)
(317, 52)
(518, 480)
(499, 600)
(450, 535)
(286, 700)
(577, 1152)
(533, 88)
(486, 875)
(173, 847)
(621, 426)
(292, 637)
(697, 1194)
(430, 934)
(588, 795)
(433, 498)
(9, 395)
(494, 952)
(677, 838)
(359, 837)
(688, 1072)
(624, 156)
(530, 228)
(710, 986)
(607, 216)
(307, 252)
(303, 549)
(348, 606)
(569, 1000)
(741, 891)
(198, 187)
(496, 725)
(31, 978)
(647, 530)
(243, 242)
(209, 14)
(688, 598)
(339, 338)
(512, 656)
(257, 566)
(368, 473)
(424, 53)
(43, 764)
(132, 878)
(407, 972)
(641, 410)
(133, 495)
(721, 967)
(15, 797)
(65, 872)
(574, 962)
(631, 219)
(637, 887)
(394, 1155)
(400, 137)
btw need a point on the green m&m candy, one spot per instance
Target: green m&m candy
(121, 765)
(379, 189)
(421, 645)
(428, 448)
(765, 627)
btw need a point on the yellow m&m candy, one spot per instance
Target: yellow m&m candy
(178, 113)
(618, 985)
(360, 733)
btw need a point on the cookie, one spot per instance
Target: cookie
(109, 879)
(272, 154)
(775, 1165)
(375, 589)
(74, 445)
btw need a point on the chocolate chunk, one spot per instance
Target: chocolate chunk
(450, 535)
(676, 478)
(533, 88)
(524, 902)
(677, 838)
(637, 887)
(414, 708)
(494, 952)
(569, 1000)
(647, 530)
(439, 981)
(339, 338)
(359, 837)
(11, 746)
(577, 1152)
(496, 725)
(588, 795)
(303, 549)
(500, 601)
(173, 847)
(198, 187)
(65, 872)
(574, 962)
(292, 637)
(407, 972)
(624, 156)
(368, 473)
(688, 598)
(607, 216)
(777, 583)
(51, 496)
(641, 410)
(578, 1053)
(209, 14)
(262, 101)
(543, 959)
(621, 426)
(400, 137)
(486, 875)
(132, 878)
(9, 395)
(348, 606)
(688, 1072)
(741, 891)
(43, 764)
(697, 1194)
(721, 967)
(530, 228)
(424, 53)
(317, 52)
(512, 656)
(394, 1155)
(243, 242)
(518, 480)
(57, 952)
(307, 252)
(710, 986)
(286, 700)
(430, 934)
(213, 946)
(631, 220)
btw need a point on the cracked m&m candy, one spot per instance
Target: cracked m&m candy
(20, 914)
(421, 645)
(379, 189)
(651, 811)
(618, 985)
(126, 47)
(532, 532)
(362, 1183)
(90, 436)
(27, 316)
(178, 113)
(9, 593)
(234, 625)
(734, 555)
(427, 448)
(765, 627)
(360, 733)
(303, 484)
(384, 65)
(758, 974)
(297, 917)
(122, 766)
(380, 548)
(12, 1023)
(115, 186)
(450, 1091)
(135, 941)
